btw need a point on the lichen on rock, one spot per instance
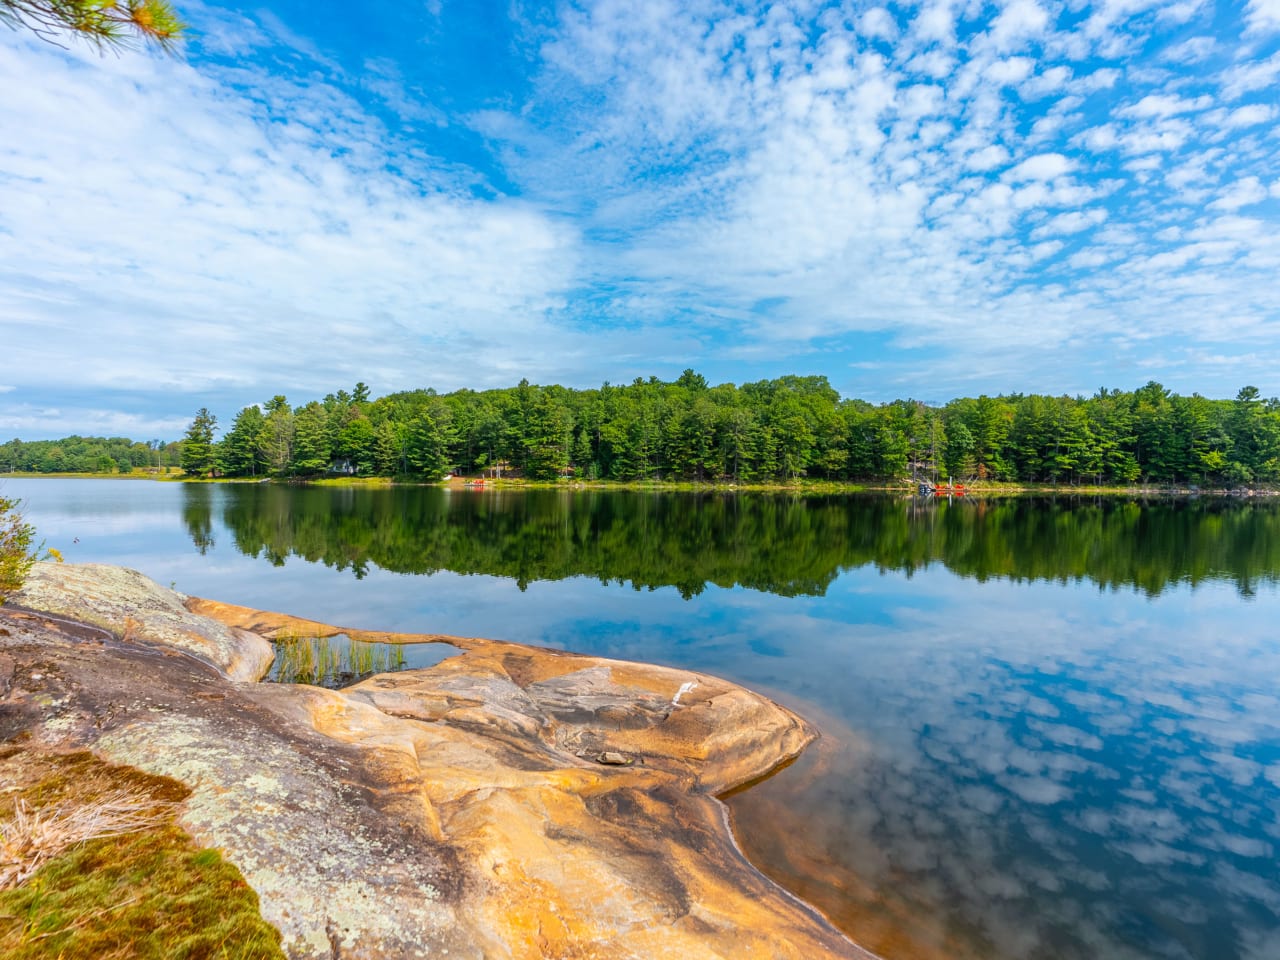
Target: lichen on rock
(132, 607)
(475, 809)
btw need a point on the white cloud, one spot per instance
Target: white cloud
(1182, 11)
(1191, 50)
(1163, 105)
(1250, 115)
(1045, 83)
(1168, 136)
(878, 23)
(1008, 72)
(1242, 78)
(1103, 78)
(260, 230)
(1242, 193)
(27, 420)
(1088, 259)
(988, 158)
(1044, 166)
(1069, 223)
(830, 191)
(1263, 16)
(936, 21)
(1019, 22)
(736, 182)
(1100, 138)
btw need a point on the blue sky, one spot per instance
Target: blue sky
(927, 200)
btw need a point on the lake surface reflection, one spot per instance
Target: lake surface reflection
(1052, 727)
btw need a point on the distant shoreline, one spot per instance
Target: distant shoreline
(972, 490)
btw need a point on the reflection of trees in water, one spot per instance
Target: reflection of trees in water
(197, 513)
(787, 545)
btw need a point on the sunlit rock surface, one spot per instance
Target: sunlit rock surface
(130, 606)
(508, 802)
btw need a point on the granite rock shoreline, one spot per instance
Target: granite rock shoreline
(509, 802)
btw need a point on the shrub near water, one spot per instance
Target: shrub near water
(16, 553)
(149, 894)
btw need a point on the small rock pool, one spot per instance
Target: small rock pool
(338, 661)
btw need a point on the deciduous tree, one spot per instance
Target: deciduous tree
(16, 551)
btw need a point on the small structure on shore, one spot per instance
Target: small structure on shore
(928, 488)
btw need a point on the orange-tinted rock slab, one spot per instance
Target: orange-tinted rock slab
(509, 802)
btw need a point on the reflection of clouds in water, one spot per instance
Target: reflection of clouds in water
(1067, 772)
(1260, 944)
(96, 511)
(1074, 775)
(1066, 736)
(1239, 770)
(1034, 789)
(102, 525)
(1097, 786)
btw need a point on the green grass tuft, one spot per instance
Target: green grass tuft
(146, 895)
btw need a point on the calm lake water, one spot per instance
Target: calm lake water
(1052, 728)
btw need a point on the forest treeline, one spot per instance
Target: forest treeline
(767, 431)
(89, 455)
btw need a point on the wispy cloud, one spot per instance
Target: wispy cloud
(891, 172)
(1262, 16)
(26, 420)
(971, 194)
(222, 228)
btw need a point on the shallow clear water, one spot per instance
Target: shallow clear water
(338, 661)
(1052, 727)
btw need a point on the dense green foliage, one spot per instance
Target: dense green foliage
(770, 431)
(16, 551)
(199, 458)
(87, 455)
(778, 543)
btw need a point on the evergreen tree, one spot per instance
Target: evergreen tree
(104, 23)
(425, 448)
(310, 453)
(240, 450)
(356, 444)
(198, 459)
(391, 449)
(275, 444)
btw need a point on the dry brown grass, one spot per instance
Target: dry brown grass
(30, 836)
(96, 867)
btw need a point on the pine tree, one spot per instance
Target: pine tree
(104, 23)
(240, 447)
(198, 458)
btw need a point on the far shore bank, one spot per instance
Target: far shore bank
(962, 490)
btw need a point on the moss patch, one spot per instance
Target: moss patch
(148, 894)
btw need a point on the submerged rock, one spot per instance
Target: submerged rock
(510, 802)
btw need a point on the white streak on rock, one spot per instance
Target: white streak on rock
(686, 687)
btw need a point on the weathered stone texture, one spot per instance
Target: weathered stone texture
(510, 802)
